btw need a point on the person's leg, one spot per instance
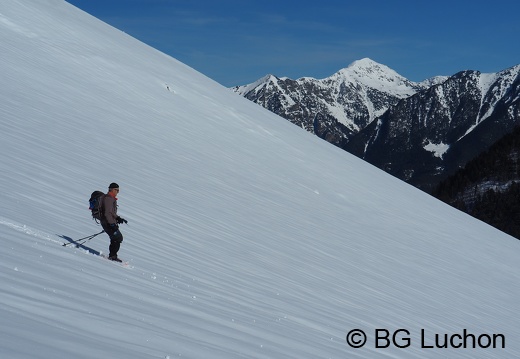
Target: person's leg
(115, 243)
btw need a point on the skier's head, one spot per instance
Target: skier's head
(113, 189)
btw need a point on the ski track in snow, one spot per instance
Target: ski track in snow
(27, 230)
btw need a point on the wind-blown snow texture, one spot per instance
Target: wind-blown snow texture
(247, 237)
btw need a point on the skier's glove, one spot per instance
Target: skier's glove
(121, 220)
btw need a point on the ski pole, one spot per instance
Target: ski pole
(84, 239)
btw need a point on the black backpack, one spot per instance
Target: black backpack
(96, 205)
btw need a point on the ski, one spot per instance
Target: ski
(120, 262)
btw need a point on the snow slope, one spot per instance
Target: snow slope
(247, 237)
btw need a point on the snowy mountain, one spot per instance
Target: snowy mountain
(247, 237)
(431, 134)
(418, 132)
(339, 106)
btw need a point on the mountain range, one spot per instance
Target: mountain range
(339, 106)
(419, 132)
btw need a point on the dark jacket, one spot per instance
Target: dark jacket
(110, 209)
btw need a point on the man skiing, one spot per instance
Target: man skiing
(110, 221)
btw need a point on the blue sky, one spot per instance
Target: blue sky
(235, 42)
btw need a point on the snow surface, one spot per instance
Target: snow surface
(438, 149)
(247, 237)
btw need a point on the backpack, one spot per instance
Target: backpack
(96, 205)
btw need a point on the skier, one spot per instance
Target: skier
(110, 221)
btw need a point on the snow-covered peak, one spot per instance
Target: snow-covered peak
(244, 89)
(486, 80)
(432, 81)
(506, 78)
(377, 76)
(370, 68)
(493, 87)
